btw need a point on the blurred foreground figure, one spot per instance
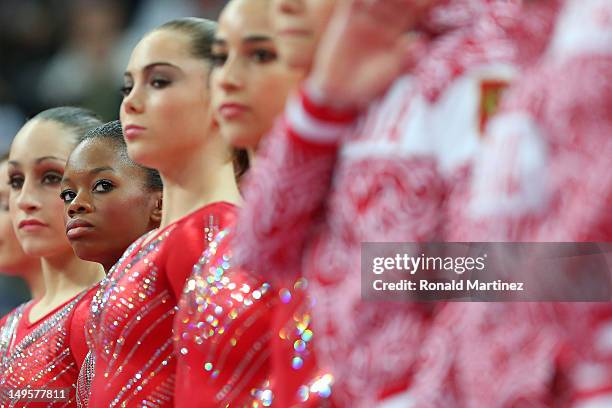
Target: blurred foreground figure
(399, 174)
(544, 175)
(337, 181)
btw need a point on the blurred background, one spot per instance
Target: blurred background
(71, 52)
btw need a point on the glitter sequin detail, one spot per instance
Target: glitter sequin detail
(129, 296)
(42, 359)
(8, 333)
(130, 332)
(84, 381)
(297, 331)
(222, 330)
(297, 371)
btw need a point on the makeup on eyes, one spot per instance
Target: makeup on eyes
(158, 75)
(249, 44)
(45, 173)
(98, 185)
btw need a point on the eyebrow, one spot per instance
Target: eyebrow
(40, 160)
(101, 169)
(152, 65)
(95, 171)
(249, 39)
(54, 158)
(255, 38)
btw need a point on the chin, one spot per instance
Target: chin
(40, 249)
(241, 139)
(145, 155)
(90, 248)
(86, 255)
(46, 246)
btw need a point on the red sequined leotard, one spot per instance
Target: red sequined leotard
(222, 333)
(44, 355)
(132, 359)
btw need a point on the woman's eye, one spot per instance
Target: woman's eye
(16, 182)
(125, 90)
(51, 178)
(159, 83)
(103, 186)
(264, 56)
(218, 59)
(67, 196)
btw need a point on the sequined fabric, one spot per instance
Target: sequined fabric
(223, 333)
(130, 332)
(8, 331)
(40, 359)
(298, 380)
(83, 386)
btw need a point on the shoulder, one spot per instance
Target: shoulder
(205, 222)
(81, 310)
(16, 312)
(190, 236)
(219, 214)
(83, 303)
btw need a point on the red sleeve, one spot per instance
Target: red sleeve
(191, 238)
(286, 190)
(3, 321)
(80, 315)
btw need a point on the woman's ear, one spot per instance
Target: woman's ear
(156, 213)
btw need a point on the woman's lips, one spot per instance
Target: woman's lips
(31, 225)
(232, 110)
(77, 228)
(132, 132)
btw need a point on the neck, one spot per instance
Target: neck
(200, 178)
(66, 276)
(35, 281)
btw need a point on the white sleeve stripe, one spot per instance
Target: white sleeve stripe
(601, 401)
(312, 129)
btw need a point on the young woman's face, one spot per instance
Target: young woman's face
(107, 204)
(36, 166)
(12, 258)
(298, 26)
(165, 109)
(249, 83)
